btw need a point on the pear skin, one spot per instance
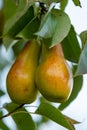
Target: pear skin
(53, 75)
(21, 77)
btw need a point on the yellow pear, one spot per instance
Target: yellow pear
(21, 77)
(53, 75)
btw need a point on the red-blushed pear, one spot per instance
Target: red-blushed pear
(53, 76)
(21, 77)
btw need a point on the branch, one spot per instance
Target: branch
(10, 113)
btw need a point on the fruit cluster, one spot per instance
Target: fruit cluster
(52, 76)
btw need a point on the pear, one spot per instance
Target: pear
(21, 77)
(53, 76)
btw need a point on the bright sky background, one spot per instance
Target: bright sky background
(78, 108)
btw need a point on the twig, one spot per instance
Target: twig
(8, 114)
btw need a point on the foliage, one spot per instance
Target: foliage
(28, 19)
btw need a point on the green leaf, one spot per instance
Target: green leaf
(2, 124)
(82, 65)
(30, 29)
(77, 2)
(47, 26)
(83, 36)
(1, 92)
(17, 2)
(8, 11)
(1, 24)
(63, 4)
(17, 9)
(17, 47)
(21, 117)
(8, 41)
(72, 120)
(78, 82)
(3, 59)
(21, 23)
(71, 46)
(18, 25)
(50, 1)
(54, 27)
(54, 114)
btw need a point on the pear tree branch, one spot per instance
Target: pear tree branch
(10, 113)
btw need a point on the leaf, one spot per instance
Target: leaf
(17, 9)
(2, 124)
(83, 36)
(3, 60)
(71, 47)
(1, 24)
(63, 4)
(47, 26)
(1, 92)
(54, 27)
(54, 114)
(17, 2)
(28, 32)
(8, 11)
(50, 1)
(77, 2)
(72, 120)
(19, 24)
(22, 119)
(17, 47)
(82, 65)
(78, 82)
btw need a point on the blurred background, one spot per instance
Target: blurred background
(78, 108)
